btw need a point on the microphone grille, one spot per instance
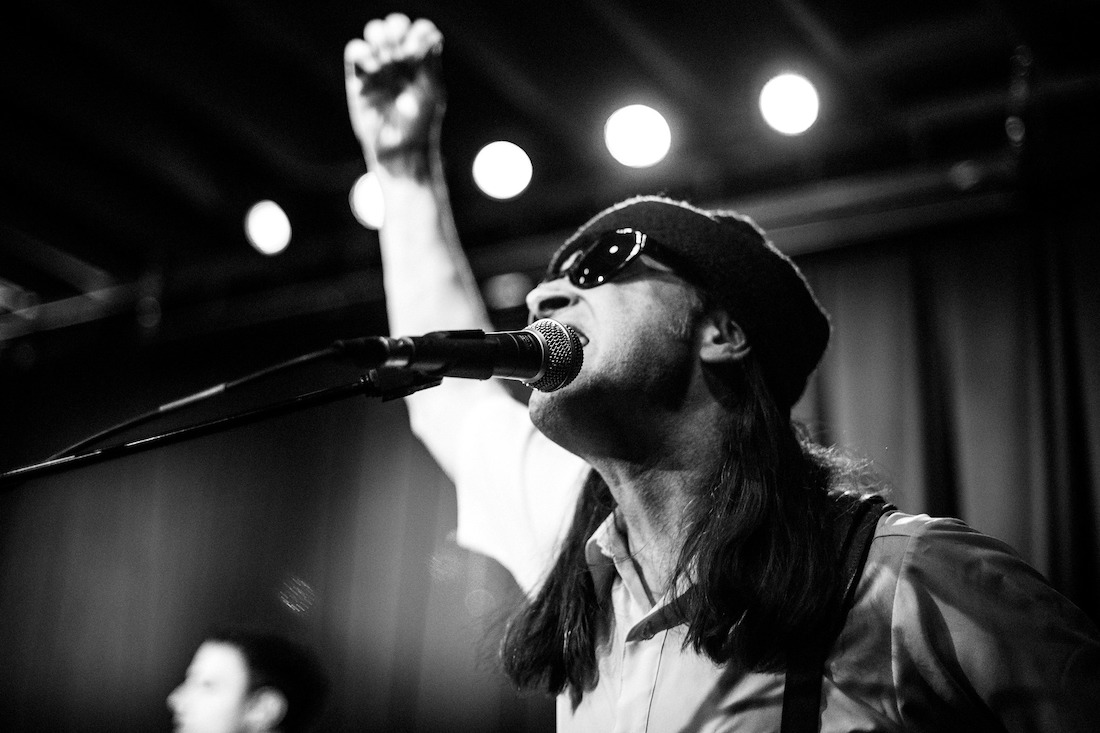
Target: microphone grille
(563, 358)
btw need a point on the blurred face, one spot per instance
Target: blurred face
(213, 697)
(639, 355)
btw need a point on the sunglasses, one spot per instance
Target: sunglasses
(608, 256)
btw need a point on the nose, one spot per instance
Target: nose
(173, 699)
(549, 297)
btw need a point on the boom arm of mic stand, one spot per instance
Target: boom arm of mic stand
(382, 383)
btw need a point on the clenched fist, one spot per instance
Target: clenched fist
(394, 89)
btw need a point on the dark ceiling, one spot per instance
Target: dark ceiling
(136, 135)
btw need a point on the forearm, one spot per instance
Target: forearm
(428, 282)
(429, 287)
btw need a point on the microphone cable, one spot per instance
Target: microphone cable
(199, 396)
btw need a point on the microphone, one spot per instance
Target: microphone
(546, 355)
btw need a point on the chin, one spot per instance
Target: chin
(549, 412)
(566, 415)
(539, 405)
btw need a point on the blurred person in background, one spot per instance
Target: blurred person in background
(244, 681)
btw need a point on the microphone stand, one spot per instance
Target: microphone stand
(386, 384)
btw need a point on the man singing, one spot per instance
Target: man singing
(692, 561)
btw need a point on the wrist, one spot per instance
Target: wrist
(406, 162)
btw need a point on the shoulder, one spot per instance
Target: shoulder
(967, 628)
(897, 524)
(946, 559)
(962, 595)
(902, 538)
(925, 572)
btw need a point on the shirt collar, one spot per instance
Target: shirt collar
(604, 548)
(600, 552)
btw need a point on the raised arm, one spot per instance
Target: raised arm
(396, 101)
(515, 488)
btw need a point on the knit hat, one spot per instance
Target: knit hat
(727, 256)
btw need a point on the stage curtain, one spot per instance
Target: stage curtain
(965, 363)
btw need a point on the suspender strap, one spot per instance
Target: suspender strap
(802, 693)
(802, 689)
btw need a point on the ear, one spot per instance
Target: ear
(266, 709)
(721, 339)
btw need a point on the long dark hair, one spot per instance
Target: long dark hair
(758, 551)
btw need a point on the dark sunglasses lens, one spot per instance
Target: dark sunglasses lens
(610, 254)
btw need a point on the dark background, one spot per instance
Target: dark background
(958, 262)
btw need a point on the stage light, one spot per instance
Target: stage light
(267, 227)
(502, 170)
(637, 136)
(789, 103)
(366, 201)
